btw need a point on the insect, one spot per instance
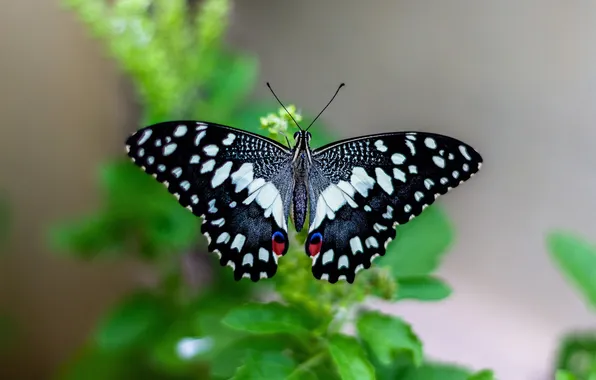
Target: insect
(246, 187)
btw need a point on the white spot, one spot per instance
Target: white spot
(194, 199)
(195, 159)
(242, 177)
(343, 262)
(346, 188)
(248, 259)
(185, 185)
(451, 156)
(411, 146)
(268, 197)
(180, 130)
(380, 146)
(233, 204)
(177, 172)
(329, 202)
(207, 166)
(455, 174)
(212, 208)
(199, 137)
(413, 169)
(389, 213)
(379, 227)
(168, 139)
(444, 181)
(263, 275)
(428, 183)
(161, 168)
(410, 136)
(466, 167)
(361, 181)
(325, 276)
(169, 149)
(384, 181)
(201, 126)
(229, 140)
(398, 158)
(150, 160)
(219, 222)
(263, 255)
(371, 242)
(464, 152)
(221, 174)
(399, 175)
(327, 257)
(141, 152)
(356, 245)
(231, 264)
(158, 142)
(238, 242)
(211, 150)
(188, 348)
(439, 161)
(367, 208)
(430, 143)
(144, 136)
(418, 195)
(223, 238)
(407, 208)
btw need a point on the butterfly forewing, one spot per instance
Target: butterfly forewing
(362, 188)
(236, 181)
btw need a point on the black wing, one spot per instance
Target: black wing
(237, 181)
(362, 188)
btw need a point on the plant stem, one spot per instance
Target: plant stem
(308, 364)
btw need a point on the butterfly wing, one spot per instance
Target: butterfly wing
(362, 188)
(235, 180)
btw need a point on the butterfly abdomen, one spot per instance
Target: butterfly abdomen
(299, 202)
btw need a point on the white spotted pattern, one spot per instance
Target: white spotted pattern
(343, 262)
(430, 143)
(464, 152)
(398, 158)
(243, 176)
(361, 181)
(180, 130)
(223, 238)
(238, 242)
(221, 174)
(248, 259)
(327, 257)
(195, 159)
(199, 137)
(384, 181)
(380, 146)
(439, 161)
(211, 150)
(371, 242)
(144, 136)
(207, 166)
(169, 149)
(229, 139)
(411, 146)
(356, 245)
(399, 175)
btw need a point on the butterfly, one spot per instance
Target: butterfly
(246, 187)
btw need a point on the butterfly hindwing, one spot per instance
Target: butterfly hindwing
(362, 188)
(235, 180)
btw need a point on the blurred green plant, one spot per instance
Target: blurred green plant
(576, 259)
(175, 56)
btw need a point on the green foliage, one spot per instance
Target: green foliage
(576, 258)
(175, 56)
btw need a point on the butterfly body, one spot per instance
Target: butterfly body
(246, 188)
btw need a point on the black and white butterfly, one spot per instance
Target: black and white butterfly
(246, 187)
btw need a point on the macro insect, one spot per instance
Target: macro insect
(246, 187)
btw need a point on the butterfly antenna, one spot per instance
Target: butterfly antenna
(279, 101)
(312, 122)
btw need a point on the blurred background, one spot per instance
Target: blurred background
(516, 79)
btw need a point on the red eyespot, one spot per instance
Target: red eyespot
(315, 243)
(278, 243)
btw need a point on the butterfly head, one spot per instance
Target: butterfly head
(302, 146)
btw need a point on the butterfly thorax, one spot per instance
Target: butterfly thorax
(301, 164)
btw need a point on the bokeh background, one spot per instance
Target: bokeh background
(514, 78)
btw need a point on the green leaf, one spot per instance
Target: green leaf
(133, 323)
(484, 374)
(235, 353)
(576, 258)
(265, 366)
(389, 338)
(269, 318)
(419, 244)
(436, 371)
(350, 359)
(565, 375)
(423, 288)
